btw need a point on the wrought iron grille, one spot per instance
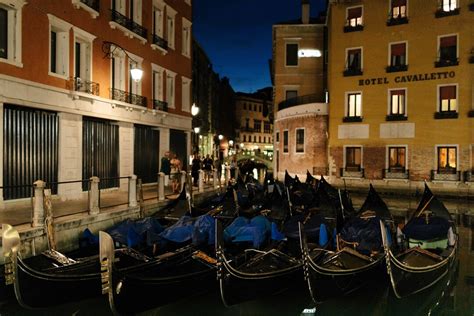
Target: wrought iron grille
(127, 97)
(78, 84)
(160, 105)
(160, 41)
(94, 4)
(128, 23)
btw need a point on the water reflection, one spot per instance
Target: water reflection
(454, 295)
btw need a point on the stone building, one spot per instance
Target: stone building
(399, 102)
(254, 126)
(70, 108)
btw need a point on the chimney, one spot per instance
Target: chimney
(305, 11)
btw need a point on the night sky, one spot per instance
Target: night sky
(237, 36)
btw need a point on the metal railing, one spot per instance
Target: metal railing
(128, 23)
(397, 20)
(396, 173)
(101, 204)
(446, 62)
(441, 12)
(160, 105)
(127, 97)
(348, 72)
(304, 99)
(93, 4)
(81, 85)
(159, 41)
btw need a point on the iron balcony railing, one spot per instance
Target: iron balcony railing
(353, 28)
(446, 62)
(448, 174)
(160, 105)
(129, 24)
(443, 11)
(396, 173)
(304, 99)
(160, 41)
(127, 97)
(93, 4)
(352, 71)
(397, 20)
(81, 85)
(446, 115)
(396, 68)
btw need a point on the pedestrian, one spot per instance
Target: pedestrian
(208, 163)
(218, 168)
(233, 166)
(166, 167)
(175, 173)
(195, 167)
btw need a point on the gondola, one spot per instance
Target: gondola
(260, 273)
(427, 248)
(71, 277)
(357, 257)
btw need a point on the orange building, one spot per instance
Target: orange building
(70, 107)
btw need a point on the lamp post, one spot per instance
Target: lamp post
(196, 129)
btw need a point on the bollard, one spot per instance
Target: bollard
(38, 207)
(132, 191)
(94, 196)
(214, 179)
(201, 181)
(183, 180)
(227, 175)
(161, 186)
(236, 173)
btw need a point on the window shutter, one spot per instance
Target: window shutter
(354, 13)
(398, 49)
(448, 41)
(448, 92)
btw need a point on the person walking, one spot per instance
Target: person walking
(207, 167)
(218, 168)
(195, 167)
(175, 173)
(165, 167)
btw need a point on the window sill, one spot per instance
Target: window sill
(441, 14)
(446, 115)
(53, 74)
(446, 63)
(352, 119)
(80, 5)
(357, 28)
(11, 62)
(352, 72)
(397, 21)
(159, 48)
(127, 32)
(186, 55)
(396, 117)
(396, 68)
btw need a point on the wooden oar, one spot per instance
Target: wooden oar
(425, 206)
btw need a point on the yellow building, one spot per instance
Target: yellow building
(255, 129)
(401, 90)
(298, 74)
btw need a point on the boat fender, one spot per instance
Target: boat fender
(389, 236)
(323, 235)
(451, 237)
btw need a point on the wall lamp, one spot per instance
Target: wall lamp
(109, 49)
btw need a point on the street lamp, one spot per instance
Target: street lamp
(231, 143)
(197, 130)
(194, 110)
(221, 137)
(136, 73)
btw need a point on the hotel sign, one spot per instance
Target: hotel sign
(408, 78)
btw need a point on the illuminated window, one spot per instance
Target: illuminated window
(449, 5)
(447, 158)
(398, 54)
(300, 140)
(399, 9)
(292, 54)
(353, 158)
(447, 99)
(354, 104)
(354, 16)
(397, 158)
(397, 102)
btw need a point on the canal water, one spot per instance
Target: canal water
(454, 295)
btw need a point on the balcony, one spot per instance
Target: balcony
(396, 68)
(441, 13)
(81, 85)
(397, 20)
(446, 115)
(446, 62)
(160, 44)
(349, 72)
(448, 174)
(396, 173)
(352, 119)
(160, 105)
(125, 24)
(122, 96)
(304, 99)
(396, 117)
(352, 172)
(91, 6)
(356, 28)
